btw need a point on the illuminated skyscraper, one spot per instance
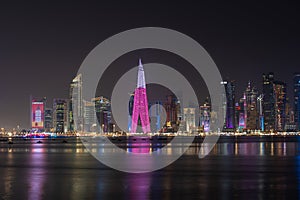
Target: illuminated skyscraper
(172, 107)
(274, 103)
(190, 119)
(297, 99)
(155, 114)
(280, 105)
(230, 105)
(89, 117)
(205, 116)
(140, 104)
(268, 102)
(261, 124)
(37, 113)
(251, 107)
(60, 117)
(103, 113)
(130, 110)
(48, 119)
(76, 104)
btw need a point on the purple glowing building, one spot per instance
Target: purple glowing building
(140, 103)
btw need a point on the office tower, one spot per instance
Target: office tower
(172, 107)
(260, 112)
(130, 110)
(76, 104)
(155, 113)
(205, 110)
(230, 106)
(190, 119)
(140, 104)
(280, 105)
(251, 108)
(89, 117)
(37, 114)
(289, 117)
(241, 113)
(103, 114)
(48, 119)
(60, 116)
(297, 100)
(269, 102)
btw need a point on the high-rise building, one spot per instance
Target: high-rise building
(140, 104)
(48, 119)
(103, 113)
(274, 103)
(251, 108)
(241, 113)
(269, 102)
(172, 107)
(60, 116)
(89, 117)
(130, 110)
(261, 125)
(297, 100)
(280, 105)
(289, 117)
(37, 114)
(230, 106)
(189, 117)
(205, 110)
(76, 104)
(155, 113)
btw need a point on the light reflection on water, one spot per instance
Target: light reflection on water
(232, 170)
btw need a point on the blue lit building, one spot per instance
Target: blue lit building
(297, 99)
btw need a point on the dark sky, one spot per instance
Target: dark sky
(43, 44)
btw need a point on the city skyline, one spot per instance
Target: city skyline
(42, 51)
(268, 111)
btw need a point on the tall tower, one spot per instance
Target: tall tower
(268, 102)
(297, 99)
(230, 105)
(76, 105)
(140, 103)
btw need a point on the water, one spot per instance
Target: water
(255, 169)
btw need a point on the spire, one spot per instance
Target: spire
(141, 76)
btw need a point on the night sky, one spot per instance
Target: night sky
(42, 45)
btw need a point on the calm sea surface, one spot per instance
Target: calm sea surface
(255, 168)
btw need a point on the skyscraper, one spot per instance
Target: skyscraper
(297, 99)
(76, 104)
(280, 105)
(37, 115)
(261, 124)
(60, 117)
(48, 119)
(251, 108)
(230, 105)
(89, 117)
(130, 110)
(172, 107)
(269, 102)
(103, 113)
(140, 104)
(190, 119)
(205, 116)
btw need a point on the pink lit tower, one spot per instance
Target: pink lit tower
(140, 103)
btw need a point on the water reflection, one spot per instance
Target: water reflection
(233, 170)
(37, 175)
(137, 186)
(257, 148)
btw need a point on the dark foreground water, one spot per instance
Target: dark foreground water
(245, 169)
